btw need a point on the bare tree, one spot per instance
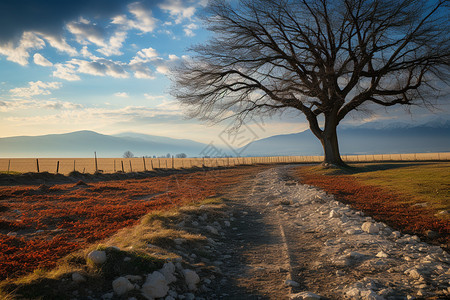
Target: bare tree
(128, 154)
(324, 58)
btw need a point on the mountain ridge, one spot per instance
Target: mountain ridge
(368, 138)
(420, 138)
(83, 143)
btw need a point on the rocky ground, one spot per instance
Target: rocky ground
(272, 238)
(288, 240)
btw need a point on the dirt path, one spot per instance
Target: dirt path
(286, 238)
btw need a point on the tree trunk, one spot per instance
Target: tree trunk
(330, 143)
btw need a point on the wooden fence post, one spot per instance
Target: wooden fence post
(9, 164)
(57, 167)
(123, 170)
(37, 165)
(96, 166)
(114, 166)
(173, 163)
(151, 162)
(166, 164)
(159, 163)
(131, 167)
(74, 165)
(143, 159)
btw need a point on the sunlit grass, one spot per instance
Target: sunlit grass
(423, 182)
(157, 231)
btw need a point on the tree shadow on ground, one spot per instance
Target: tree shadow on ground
(356, 168)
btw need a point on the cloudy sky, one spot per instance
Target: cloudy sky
(102, 65)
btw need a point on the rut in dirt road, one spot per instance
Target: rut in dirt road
(288, 239)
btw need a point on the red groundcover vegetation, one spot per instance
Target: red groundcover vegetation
(382, 205)
(40, 224)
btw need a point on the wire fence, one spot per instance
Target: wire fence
(112, 165)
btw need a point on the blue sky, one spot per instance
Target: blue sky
(103, 65)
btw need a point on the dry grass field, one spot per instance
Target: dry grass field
(112, 165)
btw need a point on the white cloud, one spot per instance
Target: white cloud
(143, 19)
(177, 10)
(25, 104)
(170, 105)
(142, 65)
(100, 67)
(41, 61)
(33, 41)
(142, 71)
(85, 52)
(189, 29)
(66, 71)
(121, 95)
(20, 53)
(114, 45)
(203, 3)
(163, 69)
(94, 116)
(60, 44)
(155, 97)
(164, 66)
(86, 32)
(35, 88)
(144, 55)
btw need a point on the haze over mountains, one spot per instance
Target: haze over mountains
(370, 138)
(84, 143)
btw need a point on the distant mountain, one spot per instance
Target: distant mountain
(365, 139)
(84, 143)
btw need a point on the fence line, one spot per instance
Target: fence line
(112, 165)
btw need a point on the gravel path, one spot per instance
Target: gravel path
(288, 240)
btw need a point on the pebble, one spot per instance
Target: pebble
(122, 286)
(77, 277)
(191, 278)
(370, 227)
(97, 257)
(291, 283)
(155, 286)
(212, 229)
(305, 296)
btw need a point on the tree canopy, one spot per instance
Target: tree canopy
(324, 58)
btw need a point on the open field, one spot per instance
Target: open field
(413, 197)
(243, 230)
(40, 224)
(112, 165)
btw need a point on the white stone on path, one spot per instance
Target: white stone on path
(291, 283)
(370, 227)
(155, 286)
(77, 277)
(97, 257)
(334, 214)
(305, 296)
(167, 270)
(382, 254)
(212, 229)
(122, 286)
(191, 278)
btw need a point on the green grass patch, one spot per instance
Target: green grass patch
(424, 182)
(10, 172)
